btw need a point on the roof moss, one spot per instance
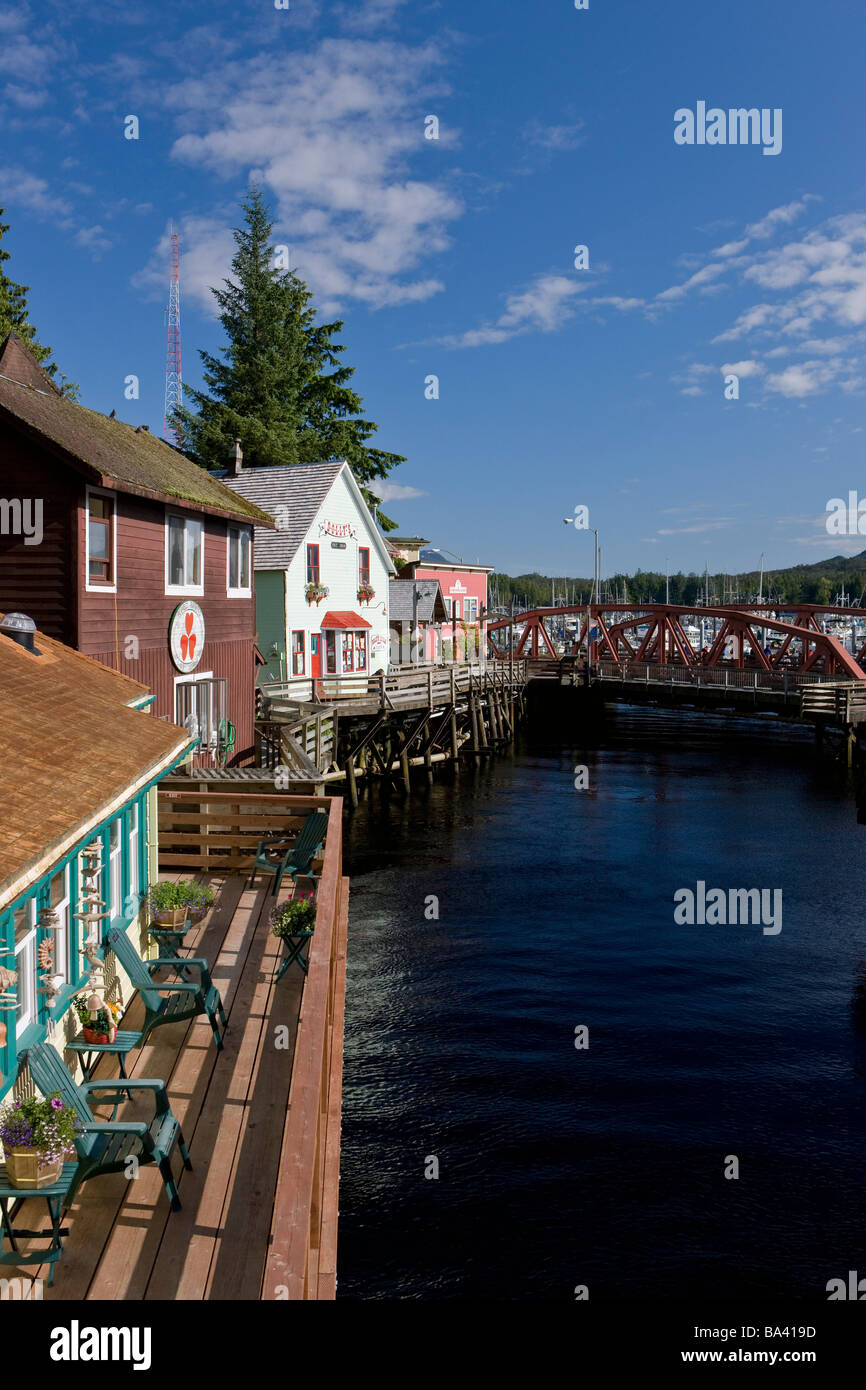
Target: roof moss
(120, 455)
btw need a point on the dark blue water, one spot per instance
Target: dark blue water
(605, 1167)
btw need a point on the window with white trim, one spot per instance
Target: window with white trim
(239, 584)
(25, 963)
(115, 863)
(134, 818)
(184, 555)
(59, 900)
(470, 610)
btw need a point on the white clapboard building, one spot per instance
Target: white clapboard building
(321, 578)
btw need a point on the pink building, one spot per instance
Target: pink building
(463, 637)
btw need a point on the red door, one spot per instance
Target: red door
(315, 654)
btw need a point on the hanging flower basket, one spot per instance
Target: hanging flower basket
(314, 593)
(366, 593)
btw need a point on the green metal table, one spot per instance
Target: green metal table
(55, 1197)
(90, 1052)
(294, 945)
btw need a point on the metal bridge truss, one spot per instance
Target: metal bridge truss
(803, 645)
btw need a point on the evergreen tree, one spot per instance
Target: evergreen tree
(280, 387)
(14, 319)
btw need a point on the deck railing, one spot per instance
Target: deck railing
(219, 831)
(407, 685)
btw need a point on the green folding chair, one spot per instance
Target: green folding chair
(105, 1146)
(169, 1001)
(293, 855)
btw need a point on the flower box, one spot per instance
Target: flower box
(26, 1168)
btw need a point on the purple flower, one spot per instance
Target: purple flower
(56, 1104)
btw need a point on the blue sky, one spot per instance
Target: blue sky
(455, 257)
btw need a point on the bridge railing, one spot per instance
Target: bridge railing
(726, 677)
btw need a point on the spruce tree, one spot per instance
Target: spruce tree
(273, 389)
(14, 318)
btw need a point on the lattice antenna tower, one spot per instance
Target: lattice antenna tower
(173, 379)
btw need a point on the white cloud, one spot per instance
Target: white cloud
(27, 98)
(702, 279)
(749, 367)
(368, 15)
(395, 492)
(731, 248)
(802, 379)
(93, 240)
(545, 305)
(555, 137)
(780, 217)
(31, 192)
(334, 134)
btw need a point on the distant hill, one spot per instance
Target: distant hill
(823, 581)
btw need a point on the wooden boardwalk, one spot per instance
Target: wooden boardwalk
(123, 1241)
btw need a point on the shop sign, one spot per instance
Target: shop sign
(186, 636)
(337, 528)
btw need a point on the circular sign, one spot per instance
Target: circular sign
(186, 636)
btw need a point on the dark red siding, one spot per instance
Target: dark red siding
(39, 579)
(48, 582)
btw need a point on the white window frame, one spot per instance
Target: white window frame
(61, 937)
(240, 591)
(99, 588)
(133, 848)
(183, 590)
(472, 615)
(115, 905)
(26, 965)
(449, 606)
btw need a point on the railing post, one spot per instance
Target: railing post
(381, 689)
(430, 689)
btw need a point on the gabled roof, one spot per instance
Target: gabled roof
(295, 493)
(71, 750)
(439, 560)
(108, 452)
(431, 605)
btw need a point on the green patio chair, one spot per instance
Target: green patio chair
(169, 1001)
(292, 855)
(105, 1146)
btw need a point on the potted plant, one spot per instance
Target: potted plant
(37, 1135)
(314, 593)
(294, 918)
(168, 905)
(198, 899)
(98, 1018)
(366, 593)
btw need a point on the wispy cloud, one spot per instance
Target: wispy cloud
(396, 492)
(545, 305)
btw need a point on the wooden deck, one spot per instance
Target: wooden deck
(252, 1224)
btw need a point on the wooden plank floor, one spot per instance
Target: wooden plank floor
(124, 1242)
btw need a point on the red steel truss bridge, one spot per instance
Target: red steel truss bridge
(776, 640)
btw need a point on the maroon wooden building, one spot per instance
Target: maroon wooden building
(117, 545)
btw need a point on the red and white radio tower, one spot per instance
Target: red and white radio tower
(173, 379)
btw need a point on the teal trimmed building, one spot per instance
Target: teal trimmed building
(80, 760)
